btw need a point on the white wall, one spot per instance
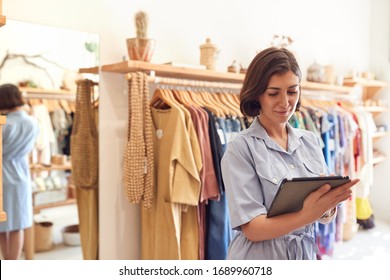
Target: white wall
(328, 31)
(380, 64)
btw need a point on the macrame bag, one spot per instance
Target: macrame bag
(84, 139)
(138, 155)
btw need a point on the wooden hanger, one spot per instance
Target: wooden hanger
(163, 99)
(228, 100)
(159, 100)
(188, 98)
(219, 103)
(182, 97)
(220, 98)
(195, 98)
(209, 104)
(65, 105)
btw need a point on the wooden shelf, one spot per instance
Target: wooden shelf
(326, 87)
(370, 87)
(206, 75)
(69, 201)
(39, 167)
(379, 159)
(92, 70)
(365, 82)
(2, 120)
(380, 134)
(374, 109)
(173, 71)
(46, 91)
(41, 93)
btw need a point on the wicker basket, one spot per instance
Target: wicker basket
(208, 54)
(43, 237)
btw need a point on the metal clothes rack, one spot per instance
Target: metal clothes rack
(189, 84)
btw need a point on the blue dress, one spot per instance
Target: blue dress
(253, 167)
(19, 135)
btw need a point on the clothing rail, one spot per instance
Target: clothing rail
(191, 83)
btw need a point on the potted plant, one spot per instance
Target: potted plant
(141, 47)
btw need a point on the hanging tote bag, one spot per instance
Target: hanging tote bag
(84, 139)
(138, 156)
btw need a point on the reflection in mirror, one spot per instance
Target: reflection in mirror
(46, 57)
(44, 62)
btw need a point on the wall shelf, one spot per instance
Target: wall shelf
(379, 159)
(380, 134)
(173, 71)
(92, 70)
(47, 93)
(69, 201)
(39, 167)
(206, 75)
(365, 82)
(370, 87)
(374, 109)
(326, 87)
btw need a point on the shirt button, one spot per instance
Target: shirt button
(292, 166)
(274, 180)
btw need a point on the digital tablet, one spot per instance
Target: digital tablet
(292, 192)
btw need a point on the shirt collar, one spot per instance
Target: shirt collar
(294, 135)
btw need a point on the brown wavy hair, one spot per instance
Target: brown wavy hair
(267, 63)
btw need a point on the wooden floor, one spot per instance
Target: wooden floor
(373, 244)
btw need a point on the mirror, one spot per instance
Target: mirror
(45, 57)
(44, 62)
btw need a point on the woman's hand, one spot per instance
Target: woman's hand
(325, 198)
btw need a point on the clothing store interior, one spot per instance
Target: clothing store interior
(99, 79)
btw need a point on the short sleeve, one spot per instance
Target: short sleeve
(243, 190)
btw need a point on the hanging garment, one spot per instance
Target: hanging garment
(218, 227)
(209, 185)
(84, 139)
(85, 163)
(170, 225)
(87, 207)
(46, 136)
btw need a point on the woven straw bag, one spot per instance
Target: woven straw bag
(138, 156)
(84, 139)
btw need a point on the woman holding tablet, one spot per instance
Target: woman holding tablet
(260, 157)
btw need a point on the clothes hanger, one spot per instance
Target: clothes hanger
(194, 97)
(230, 103)
(65, 105)
(209, 104)
(220, 98)
(234, 102)
(162, 99)
(217, 102)
(183, 97)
